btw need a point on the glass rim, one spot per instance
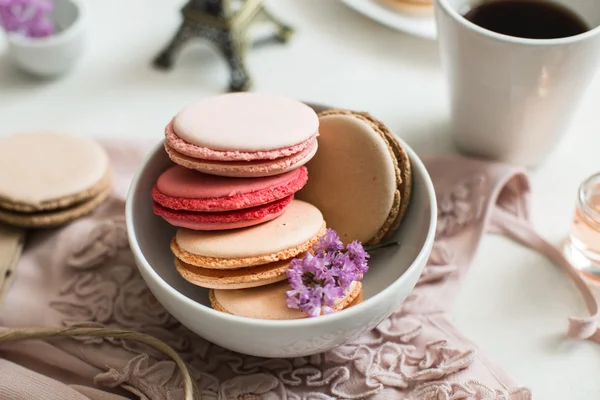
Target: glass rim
(590, 212)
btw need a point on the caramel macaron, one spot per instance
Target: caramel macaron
(360, 177)
(416, 8)
(47, 179)
(269, 302)
(247, 257)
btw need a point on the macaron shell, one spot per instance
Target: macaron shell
(224, 219)
(354, 177)
(242, 262)
(205, 153)
(246, 122)
(179, 188)
(268, 302)
(55, 217)
(104, 185)
(200, 225)
(41, 168)
(244, 169)
(404, 177)
(300, 223)
(234, 278)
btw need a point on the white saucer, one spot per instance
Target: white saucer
(423, 27)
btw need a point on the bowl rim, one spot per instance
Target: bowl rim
(354, 311)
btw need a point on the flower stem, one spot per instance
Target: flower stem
(379, 246)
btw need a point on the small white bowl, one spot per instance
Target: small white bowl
(392, 275)
(56, 54)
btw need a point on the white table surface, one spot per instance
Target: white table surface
(514, 304)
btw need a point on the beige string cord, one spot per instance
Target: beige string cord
(191, 391)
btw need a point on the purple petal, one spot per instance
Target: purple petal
(327, 310)
(321, 261)
(331, 294)
(26, 17)
(308, 263)
(357, 251)
(326, 277)
(304, 296)
(338, 260)
(358, 254)
(294, 274)
(316, 296)
(347, 277)
(313, 311)
(292, 299)
(41, 30)
(328, 243)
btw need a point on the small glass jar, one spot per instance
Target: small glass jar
(582, 248)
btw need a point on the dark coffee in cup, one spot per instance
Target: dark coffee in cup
(531, 19)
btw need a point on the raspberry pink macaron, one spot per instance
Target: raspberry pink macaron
(198, 201)
(243, 135)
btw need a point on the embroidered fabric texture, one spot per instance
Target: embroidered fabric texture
(84, 274)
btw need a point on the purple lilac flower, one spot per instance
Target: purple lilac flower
(318, 281)
(27, 17)
(358, 255)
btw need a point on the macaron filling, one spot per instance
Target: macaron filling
(180, 188)
(204, 153)
(254, 168)
(233, 278)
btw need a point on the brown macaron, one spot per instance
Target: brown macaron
(360, 178)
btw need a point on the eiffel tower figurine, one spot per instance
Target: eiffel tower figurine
(217, 21)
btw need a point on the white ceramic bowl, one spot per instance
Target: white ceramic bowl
(56, 54)
(392, 275)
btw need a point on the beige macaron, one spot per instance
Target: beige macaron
(360, 178)
(287, 236)
(47, 179)
(269, 302)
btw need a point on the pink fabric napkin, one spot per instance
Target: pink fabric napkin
(84, 274)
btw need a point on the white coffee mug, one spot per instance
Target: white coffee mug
(513, 98)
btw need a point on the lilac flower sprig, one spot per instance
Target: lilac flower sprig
(318, 280)
(29, 18)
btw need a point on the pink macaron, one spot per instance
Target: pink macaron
(194, 200)
(243, 135)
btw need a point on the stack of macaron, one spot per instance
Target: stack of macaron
(245, 269)
(251, 190)
(238, 161)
